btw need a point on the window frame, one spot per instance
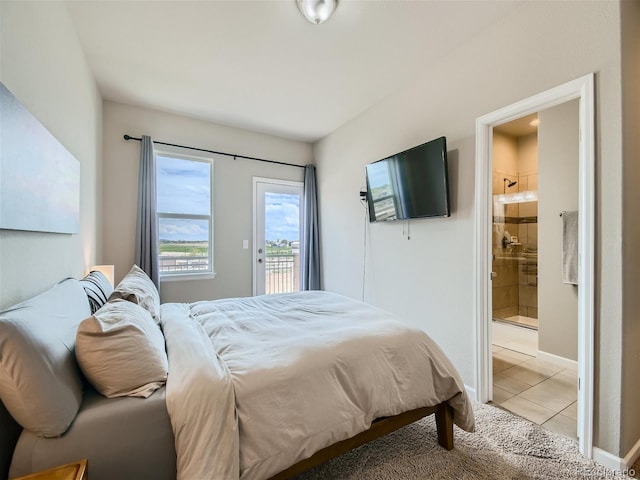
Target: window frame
(179, 154)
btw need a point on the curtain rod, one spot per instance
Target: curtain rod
(129, 137)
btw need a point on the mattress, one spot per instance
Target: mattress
(125, 438)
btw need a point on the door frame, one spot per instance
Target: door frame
(254, 233)
(583, 89)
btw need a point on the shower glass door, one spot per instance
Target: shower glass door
(505, 250)
(515, 249)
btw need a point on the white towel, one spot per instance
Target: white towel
(570, 248)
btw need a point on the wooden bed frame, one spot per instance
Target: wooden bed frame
(379, 427)
(10, 431)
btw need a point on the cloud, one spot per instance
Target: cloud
(184, 186)
(176, 229)
(282, 216)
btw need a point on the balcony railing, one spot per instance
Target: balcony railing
(282, 273)
(184, 263)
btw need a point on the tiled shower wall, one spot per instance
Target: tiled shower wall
(515, 288)
(506, 289)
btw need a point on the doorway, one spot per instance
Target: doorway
(535, 313)
(276, 235)
(583, 90)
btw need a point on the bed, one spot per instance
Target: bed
(257, 388)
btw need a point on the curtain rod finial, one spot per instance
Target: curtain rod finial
(127, 137)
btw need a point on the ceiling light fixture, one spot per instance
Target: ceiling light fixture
(535, 122)
(317, 11)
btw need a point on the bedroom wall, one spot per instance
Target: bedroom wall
(630, 14)
(429, 278)
(42, 64)
(233, 197)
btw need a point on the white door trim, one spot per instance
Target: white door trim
(582, 89)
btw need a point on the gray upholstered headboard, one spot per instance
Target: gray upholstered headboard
(9, 433)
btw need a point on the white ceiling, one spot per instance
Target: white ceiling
(260, 65)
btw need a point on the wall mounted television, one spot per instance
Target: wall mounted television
(409, 184)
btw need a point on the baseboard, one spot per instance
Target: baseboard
(471, 392)
(558, 360)
(608, 460)
(633, 455)
(617, 464)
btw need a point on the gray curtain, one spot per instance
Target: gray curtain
(310, 242)
(146, 256)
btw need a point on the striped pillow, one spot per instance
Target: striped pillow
(97, 287)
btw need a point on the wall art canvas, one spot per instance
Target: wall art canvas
(39, 178)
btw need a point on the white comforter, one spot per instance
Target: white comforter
(257, 384)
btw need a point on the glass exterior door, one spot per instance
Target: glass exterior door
(277, 228)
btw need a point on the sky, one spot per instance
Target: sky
(282, 216)
(378, 174)
(184, 186)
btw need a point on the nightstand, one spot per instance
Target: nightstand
(70, 471)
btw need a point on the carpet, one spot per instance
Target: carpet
(504, 446)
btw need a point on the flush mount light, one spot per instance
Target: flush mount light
(535, 122)
(317, 11)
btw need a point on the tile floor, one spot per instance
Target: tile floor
(540, 391)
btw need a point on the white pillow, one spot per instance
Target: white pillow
(121, 351)
(40, 384)
(138, 288)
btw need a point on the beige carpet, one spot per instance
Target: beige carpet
(504, 446)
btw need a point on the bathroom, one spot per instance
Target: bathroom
(535, 180)
(535, 313)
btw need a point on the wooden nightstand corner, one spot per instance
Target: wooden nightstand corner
(70, 471)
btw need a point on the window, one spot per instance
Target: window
(185, 203)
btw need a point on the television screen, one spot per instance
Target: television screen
(410, 184)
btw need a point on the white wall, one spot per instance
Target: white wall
(233, 205)
(429, 279)
(557, 192)
(42, 64)
(630, 13)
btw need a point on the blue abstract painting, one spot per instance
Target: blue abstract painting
(39, 177)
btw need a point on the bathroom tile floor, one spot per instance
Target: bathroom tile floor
(540, 391)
